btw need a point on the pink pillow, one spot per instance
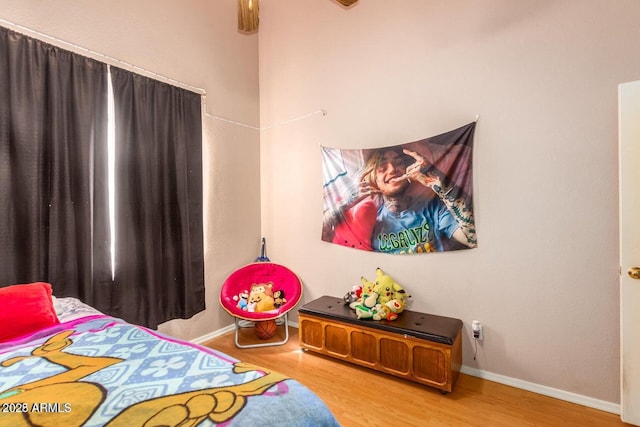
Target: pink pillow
(25, 309)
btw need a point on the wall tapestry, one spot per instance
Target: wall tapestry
(402, 199)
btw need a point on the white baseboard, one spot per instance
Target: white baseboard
(490, 376)
(579, 399)
(208, 337)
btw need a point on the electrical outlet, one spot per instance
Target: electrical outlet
(476, 328)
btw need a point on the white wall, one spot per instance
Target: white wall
(543, 77)
(194, 42)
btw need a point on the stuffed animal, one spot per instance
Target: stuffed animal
(387, 288)
(242, 300)
(261, 297)
(390, 310)
(278, 298)
(383, 299)
(353, 295)
(364, 312)
(365, 293)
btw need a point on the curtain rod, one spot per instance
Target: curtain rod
(117, 62)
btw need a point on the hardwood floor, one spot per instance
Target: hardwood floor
(361, 397)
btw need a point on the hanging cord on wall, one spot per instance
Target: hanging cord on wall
(261, 128)
(286, 122)
(130, 67)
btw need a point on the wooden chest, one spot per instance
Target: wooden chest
(420, 347)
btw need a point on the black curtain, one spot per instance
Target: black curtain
(159, 263)
(54, 206)
(52, 127)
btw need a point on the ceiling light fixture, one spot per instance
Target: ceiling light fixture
(249, 13)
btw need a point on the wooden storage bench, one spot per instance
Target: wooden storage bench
(417, 346)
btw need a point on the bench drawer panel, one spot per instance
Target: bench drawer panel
(395, 355)
(364, 347)
(336, 340)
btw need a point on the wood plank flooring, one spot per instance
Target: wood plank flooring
(361, 397)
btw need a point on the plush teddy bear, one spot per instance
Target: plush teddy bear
(261, 297)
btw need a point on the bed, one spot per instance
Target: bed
(74, 366)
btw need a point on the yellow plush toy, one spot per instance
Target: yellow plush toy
(261, 297)
(383, 299)
(387, 288)
(366, 297)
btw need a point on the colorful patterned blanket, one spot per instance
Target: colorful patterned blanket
(102, 371)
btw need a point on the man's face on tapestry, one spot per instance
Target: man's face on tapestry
(390, 167)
